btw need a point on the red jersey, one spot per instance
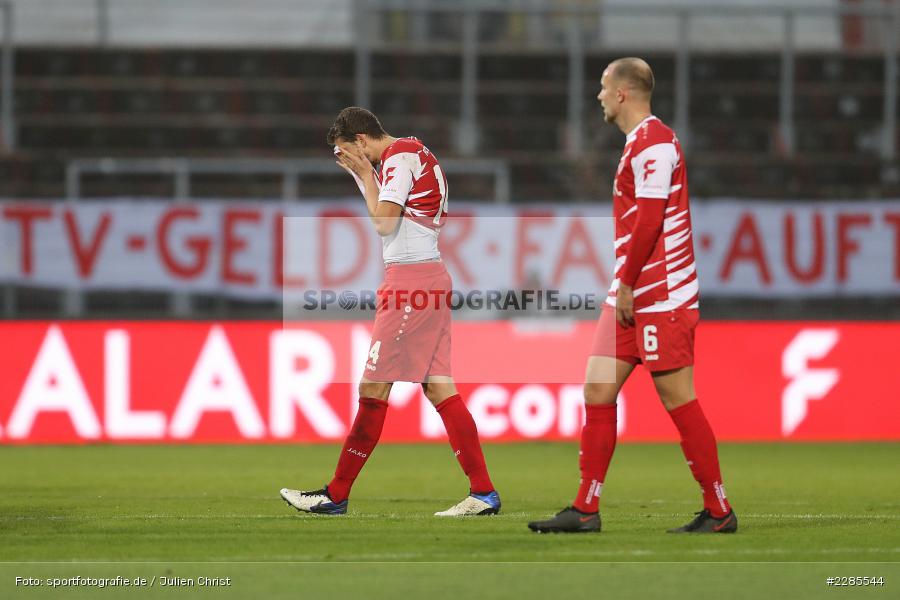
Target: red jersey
(409, 175)
(652, 166)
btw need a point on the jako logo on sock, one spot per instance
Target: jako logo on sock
(593, 491)
(357, 452)
(720, 494)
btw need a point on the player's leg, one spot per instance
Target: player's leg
(673, 376)
(463, 436)
(461, 431)
(358, 446)
(363, 437)
(675, 387)
(613, 357)
(604, 378)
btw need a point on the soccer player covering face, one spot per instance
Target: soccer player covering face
(406, 198)
(652, 308)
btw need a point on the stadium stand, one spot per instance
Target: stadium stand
(95, 102)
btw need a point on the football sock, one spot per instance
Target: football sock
(598, 441)
(464, 442)
(699, 446)
(358, 446)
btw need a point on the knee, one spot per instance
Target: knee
(372, 389)
(365, 390)
(431, 394)
(672, 401)
(600, 393)
(437, 393)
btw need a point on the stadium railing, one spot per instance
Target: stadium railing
(290, 171)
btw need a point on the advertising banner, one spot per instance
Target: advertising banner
(240, 382)
(245, 249)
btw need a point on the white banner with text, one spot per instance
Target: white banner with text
(241, 249)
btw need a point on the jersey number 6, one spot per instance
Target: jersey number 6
(651, 343)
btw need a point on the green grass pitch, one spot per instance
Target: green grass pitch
(807, 512)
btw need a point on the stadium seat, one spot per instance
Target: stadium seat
(96, 101)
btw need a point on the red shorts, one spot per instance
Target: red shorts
(662, 340)
(411, 338)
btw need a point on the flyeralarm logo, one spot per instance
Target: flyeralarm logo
(178, 381)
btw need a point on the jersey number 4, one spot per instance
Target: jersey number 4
(373, 353)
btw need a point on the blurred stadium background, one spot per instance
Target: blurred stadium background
(148, 150)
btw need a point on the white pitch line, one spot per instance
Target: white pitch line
(593, 553)
(420, 516)
(286, 515)
(814, 516)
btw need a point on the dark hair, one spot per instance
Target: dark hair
(352, 121)
(636, 73)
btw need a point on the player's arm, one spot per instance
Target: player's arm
(648, 225)
(384, 212)
(653, 177)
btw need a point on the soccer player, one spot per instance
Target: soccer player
(651, 310)
(406, 197)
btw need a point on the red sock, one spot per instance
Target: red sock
(358, 446)
(699, 446)
(464, 442)
(598, 441)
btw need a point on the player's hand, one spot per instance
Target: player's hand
(354, 162)
(340, 163)
(625, 305)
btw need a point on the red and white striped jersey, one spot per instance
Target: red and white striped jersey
(409, 175)
(652, 166)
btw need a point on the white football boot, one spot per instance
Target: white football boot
(317, 501)
(474, 504)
